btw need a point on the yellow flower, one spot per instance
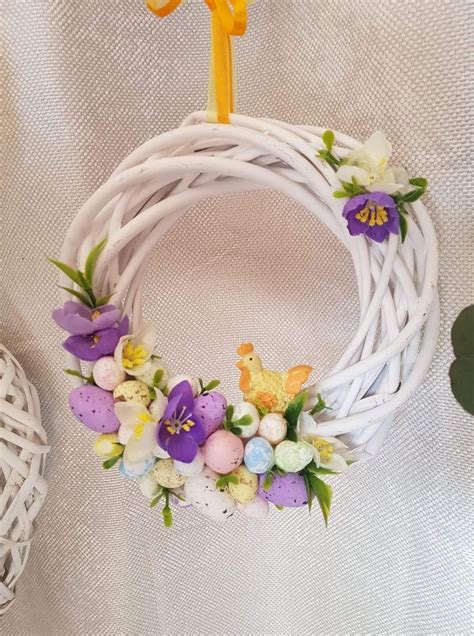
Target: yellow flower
(107, 446)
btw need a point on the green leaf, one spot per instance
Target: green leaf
(158, 377)
(411, 196)
(403, 226)
(328, 139)
(419, 182)
(323, 493)
(245, 420)
(155, 357)
(294, 409)
(338, 194)
(167, 516)
(291, 434)
(461, 374)
(70, 272)
(225, 480)
(152, 392)
(211, 386)
(462, 333)
(201, 385)
(319, 470)
(279, 507)
(111, 462)
(309, 491)
(103, 300)
(88, 378)
(233, 429)
(156, 500)
(229, 412)
(268, 481)
(91, 260)
(319, 406)
(84, 299)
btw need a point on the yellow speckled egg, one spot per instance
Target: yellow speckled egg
(246, 490)
(166, 475)
(132, 391)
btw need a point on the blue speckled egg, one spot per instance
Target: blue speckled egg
(134, 470)
(258, 455)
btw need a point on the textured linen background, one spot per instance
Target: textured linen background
(86, 82)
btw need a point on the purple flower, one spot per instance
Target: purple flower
(82, 321)
(180, 433)
(96, 345)
(374, 214)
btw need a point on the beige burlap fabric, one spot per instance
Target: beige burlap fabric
(88, 81)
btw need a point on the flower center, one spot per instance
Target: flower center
(139, 429)
(95, 314)
(133, 356)
(326, 450)
(372, 214)
(177, 423)
(95, 340)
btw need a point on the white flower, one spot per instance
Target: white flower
(328, 452)
(369, 167)
(134, 350)
(137, 431)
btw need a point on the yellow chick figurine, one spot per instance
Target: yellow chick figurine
(269, 391)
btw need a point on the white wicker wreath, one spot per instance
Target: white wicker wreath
(391, 351)
(22, 461)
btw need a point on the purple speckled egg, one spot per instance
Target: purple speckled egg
(288, 490)
(209, 409)
(94, 407)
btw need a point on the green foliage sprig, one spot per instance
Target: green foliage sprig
(326, 153)
(166, 512)
(235, 425)
(210, 386)
(84, 280)
(461, 372)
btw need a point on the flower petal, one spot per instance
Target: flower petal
(335, 463)
(197, 432)
(83, 347)
(146, 336)
(182, 447)
(185, 393)
(129, 413)
(378, 146)
(346, 173)
(108, 317)
(140, 447)
(106, 341)
(74, 323)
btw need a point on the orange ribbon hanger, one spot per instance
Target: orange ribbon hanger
(224, 24)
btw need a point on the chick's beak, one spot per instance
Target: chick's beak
(240, 365)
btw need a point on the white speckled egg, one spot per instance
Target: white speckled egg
(293, 456)
(148, 376)
(245, 408)
(273, 428)
(148, 486)
(134, 470)
(212, 502)
(176, 379)
(166, 475)
(193, 468)
(158, 406)
(132, 391)
(258, 456)
(107, 373)
(255, 509)
(246, 489)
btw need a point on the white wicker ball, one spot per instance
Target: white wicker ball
(22, 461)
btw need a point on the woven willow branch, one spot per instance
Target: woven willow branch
(391, 351)
(22, 459)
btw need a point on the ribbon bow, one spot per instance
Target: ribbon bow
(224, 24)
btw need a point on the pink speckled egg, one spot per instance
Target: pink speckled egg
(286, 490)
(107, 373)
(94, 407)
(209, 409)
(223, 452)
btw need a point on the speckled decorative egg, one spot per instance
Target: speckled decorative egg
(273, 428)
(148, 486)
(246, 489)
(258, 456)
(201, 492)
(176, 379)
(255, 509)
(134, 470)
(107, 373)
(148, 376)
(209, 409)
(193, 468)
(223, 452)
(166, 475)
(245, 408)
(286, 490)
(94, 407)
(158, 406)
(132, 391)
(293, 456)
